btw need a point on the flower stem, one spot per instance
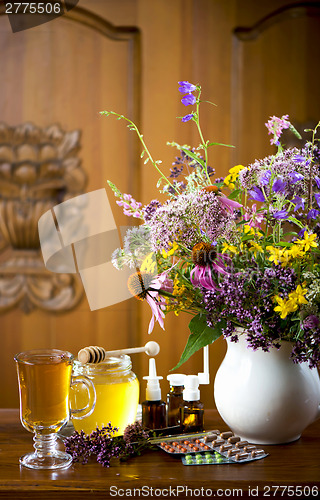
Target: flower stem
(133, 126)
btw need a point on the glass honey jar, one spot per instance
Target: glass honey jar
(117, 394)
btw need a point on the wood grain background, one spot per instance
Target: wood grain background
(68, 70)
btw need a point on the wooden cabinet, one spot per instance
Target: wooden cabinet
(253, 59)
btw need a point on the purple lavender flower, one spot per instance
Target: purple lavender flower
(186, 118)
(313, 214)
(150, 209)
(299, 203)
(295, 177)
(279, 186)
(280, 215)
(242, 300)
(188, 100)
(186, 87)
(256, 194)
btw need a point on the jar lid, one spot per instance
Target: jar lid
(112, 364)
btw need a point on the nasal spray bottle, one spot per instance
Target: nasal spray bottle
(153, 409)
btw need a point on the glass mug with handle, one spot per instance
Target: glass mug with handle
(45, 378)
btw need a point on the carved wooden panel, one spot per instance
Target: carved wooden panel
(63, 73)
(275, 72)
(39, 168)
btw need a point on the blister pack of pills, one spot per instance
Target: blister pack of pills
(205, 458)
(226, 444)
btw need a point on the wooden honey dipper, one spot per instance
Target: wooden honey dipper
(95, 354)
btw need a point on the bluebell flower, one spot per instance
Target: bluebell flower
(313, 214)
(279, 186)
(299, 203)
(317, 197)
(187, 117)
(317, 179)
(281, 215)
(295, 177)
(299, 158)
(186, 87)
(265, 179)
(256, 194)
(302, 231)
(188, 99)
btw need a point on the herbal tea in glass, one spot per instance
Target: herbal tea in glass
(44, 377)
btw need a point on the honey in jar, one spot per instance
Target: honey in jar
(117, 394)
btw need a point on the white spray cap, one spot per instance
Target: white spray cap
(176, 379)
(153, 390)
(191, 388)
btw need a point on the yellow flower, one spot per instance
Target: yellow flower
(233, 175)
(284, 306)
(255, 248)
(166, 254)
(236, 169)
(308, 241)
(229, 248)
(296, 251)
(248, 229)
(275, 254)
(299, 295)
(284, 257)
(227, 180)
(149, 264)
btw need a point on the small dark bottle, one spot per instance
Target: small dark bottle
(154, 414)
(192, 409)
(174, 398)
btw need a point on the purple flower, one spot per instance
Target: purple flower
(299, 203)
(256, 194)
(279, 186)
(188, 100)
(302, 231)
(317, 179)
(186, 87)
(230, 205)
(280, 215)
(299, 158)
(275, 126)
(253, 218)
(317, 197)
(311, 322)
(186, 118)
(265, 179)
(313, 214)
(295, 177)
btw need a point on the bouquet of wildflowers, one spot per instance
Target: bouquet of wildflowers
(240, 251)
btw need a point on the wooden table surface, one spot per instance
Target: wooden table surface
(291, 470)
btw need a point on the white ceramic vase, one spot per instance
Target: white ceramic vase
(263, 396)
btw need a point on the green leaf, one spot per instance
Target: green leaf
(194, 156)
(295, 221)
(220, 144)
(235, 194)
(201, 335)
